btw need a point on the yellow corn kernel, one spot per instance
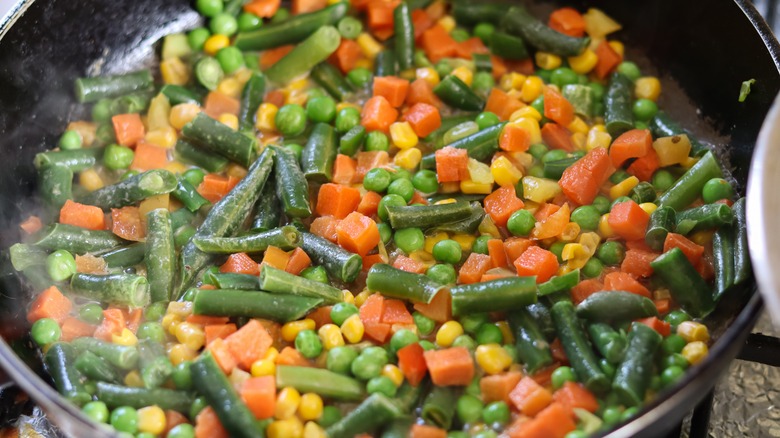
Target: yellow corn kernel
(229, 120)
(272, 353)
(353, 329)
(526, 111)
(597, 139)
(471, 187)
(547, 61)
(90, 180)
(393, 373)
(403, 136)
(169, 319)
(266, 117)
(174, 71)
(369, 46)
(573, 250)
(447, 22)
(163, 137)
(408, 159)
(617, 46)
(214, 43)
(492, 358)
(362, 297)
(689, 162)
(152, 203)
(289, 428)
(191, 335)
(133, 379)
(448, 332)
(648, 207)
(126, 338)
(230, 87)
(647, 87)
(570, 232)
(182, 114)
(578, 125)
(532, 88)
(605, 230)
(243, 75)
(672, 150)
(506, 332)
(433, 239)
(312, 429)
(599, 127)
(310, 407)
(182, 309)
(464, 74)
(151, 419)
(579, 140)
(365, 63)
(703, 237)
(695, 352)
(623, 188)
(263, 367)
(347, 296)
(693, 331)
(157, 116)
(446, 201)
(513, 81)
(287, 402)
(331, 337)
(590, 241)
(291, 329)
(504, 172)
(428, 74)
(172, 327)
(584, 63)
(423, 257)
(180, 353)
(531, 126)
(466, 241)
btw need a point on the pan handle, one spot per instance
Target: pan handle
(762, 349)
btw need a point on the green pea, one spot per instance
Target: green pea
(105, 133)
(70, 140)
(557, 249)
(125, 419)
(645, 109)
(484, 31)
(611, 253)
(598, 90)
(209, 8)
(400, 173)
(447, 251)
(101, 111)
(459, 34)
(443, 68)
(480, 244)
(182, 376)
(402, 187)
(663, 180)
(630, 70)
(459, 131)
(330, 416)
(291, 120)
(425, 181)
(562, 375)
(321, 109)
(587, 217)
(409, 240)
(473, 321)
(512, 351)
(619, 176)
(402, 338)
(198, 405)
(489, 334)
(716, 189)
(194, 176)
(117, 157)
(601, 204)
(60, 265)
(424, 324)
(675, 359)
(385, 232)
(629, 413)
(339, 359)
(248, 22)
(521, 223)
(143, 435)
(224, 24)
(496, 412)
(538, 104)
(316, 273)
(469, 409)
(381, 385)
(197, 38)
(673, 343)
(386, 201)
(376, 353)
(313, 93)
(671, 375)
(359, 77)
(554, 155)
(365, 368)
(281, 14)
(151, 330)
(420, 60)
(341, 311)
(296, 149)
(487, 119)
(45, 331)
(350, 27)
(537, 150)
(347, 119)
(442, 273)
(91, 313)
(466, 342)
(155, 311)
(308, 344)
(578, 154)
(230, 59)
(482, 83)
(96, 410)
(675, 317)
(563, 76)
(377, 141)
(611, 415)
(593, 268)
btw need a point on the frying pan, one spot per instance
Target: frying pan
(701, 49)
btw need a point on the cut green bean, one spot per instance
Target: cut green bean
(251, 98)
(520, 22)
(160, 255)
(619, 115)
(742, 268)
(189, 196)
(319, 381)
(662, 222)
(132, 190)
(560, 283)
(233, 281)
(220, 139)
(578, 350)
(704, 217)
(611, 344)
(480, 146)
(470, 14)
(503, 294)
(209, 161)
(688, 188)
(339, 263)
(95, 368)
(304, 56)
(121, 356)
(269, 210)
(59, 360)
(282, 282)
(456, 93)
(115, 289)
(286, 238)
(291, 185)
(436, 138)
(75, 159)
(370, 415)
(468, 225)
(395, 283)
(115, 396)
(329, 77)
(292, 30)
(438, 408)
(385, 64)
(633, 376)
(101, 87)
(508, 46)
(426, 216)
(125, 256)
(253, 304)
(404, 36)
(532, 346)
(350, 142)
(155, 367)
(319, 154)
(685, 283)
(177, 94)
(55, 184)
(77, 240)
(616, 305)
(723, 259)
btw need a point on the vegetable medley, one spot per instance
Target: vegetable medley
(377, 218)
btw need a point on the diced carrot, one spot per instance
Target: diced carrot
(133, 318)
(128, 128)
(529, 397)
(240, 263)
(73, 328)
(567, 21)
(628, 220)
(378, 114)
(395, 312)
(218, 331)
(537, 261)
(634, 143)
(207, 320)
(337, 200)
(623, 281)
(299, 261)
(644, 167)
(392, 88)
(262, 8)
(502, 104)
(474, 268)
(304, 6)
(663, 306)
(637, 263)
(556, 349)
(370, 160)
(380, 14)
(450, 366)
(259, 394)
(514, 247)
(546, 210)
(421, 91)
(574, 395)
(557, 137)
(360, 5)
(275, 257)
(555, 421)
(325, 227)
(451, 164)
(499, 67)
(31, 225)
(249, 343)
(207, 425)
(439, 309)
(412, 363)
(418, 198)
(497, 253)
(557, 108)
(425, 431)
(272, 56)
(497, 387)
(113, 323)
(544, 376)
(639, 245)
(214, 187)
(584, 289)
(582, 180)
(514, 139)
(126, 223)
(608, 61)
(423, 118)
(82, 215)
(148, 156)
(553, 225)
(50, 303)
(437, 9)
(467, 49)
(344, 169)
(500, 204)
(693, 252)
(370, 260)
(217, 103)
(346, 56)
(409, 264)
(662, 327)
(438, 44)
(421, 22)
(358, 233)
(371, 315)
(222, 355)
(173, 419)
(369, 203)
(291, 356)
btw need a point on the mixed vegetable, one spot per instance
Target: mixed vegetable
(377, 218)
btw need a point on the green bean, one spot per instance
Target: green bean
(508, 46)
(24, 256)
(468, 225)
(115, 289)
(121, 356)
(395, 283)
(351, 141)
(286, 237)
(642, 193)
(160, 255)
(470, 14)
(541, 315)
(384, 64)
(373, 413)
(59, 360)
(251, 98)
(619, 115)
(578, 350)
(177, 94)
(663, 126)
(704, 217)
(480, 146)
(635, 372)
(181, 217)
(234, 281)
(319, 154)
(616, 305)
(688, 188)
(408, 396)
(426, 216)
(611, 344)
(189, 196)
(457, 94)
(292, 30)
(662, 222)
(400, 428)
(209, 161)
(253, 304)
(438, 408)
(269, 211)
(95, 368)
(520, 22)
(685, 283)
(308, 53)
(291, 185)
(75, 159)
(115, 396)
(208, 72)
(436, 138)
(77, 240)
(503, 294)
(100, 87)
(339, 263)
(404, 36)
(319, 381)
(560, 283)
(282, 282)
(132, 190)
(329, 77)
(532, 346)
(220, 139)
(723, 259)
(581, 98)
(155, 367)
(130, 103)
(742, 269)
(55, 184)
(554, 169)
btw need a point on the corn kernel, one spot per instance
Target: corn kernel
(174, 71)
(369, 46)
(448, 332)
(433, 239)
(573, 250)
(287, 402)
(402, 135)
(531, 126)
(695, 352)
(689, 162)
(447, 22)
(243, 75)
(266, 117)
(466, 241)
(504, 172)
(570, 232)
(347, 296)
(90, 180)
(182, 114)
(474, 188)
(291, 329)
(353, 329)
(393, 373)
(310, 407)
(597, 139)
(532, 88)
(703, 237)
(623, 188)
(513, 81)
(423, 257)
(647, 87)
(191, 335)
(133, 379)
(151, 419)
(230, 87)
(693, 331)
(526, 111)
(312, 429)
(547, 61)
(605, 230)
(263, 367)
(408, 159)
(163, 137)
(126, 338)
(578, 125)
(295, 97)
(362, 297)
(408, 74)
(331, 337)
(446, 201)
(365, 63)
(464, 74)
(168, 319)
(230, 120)
(288, 428)
(449, 187)
(506, 332)
(617, 46)
(492, 358)
(648, 207)
(584, 63)
(579, 140)
(156, 116)
(214, 43)
(180, 353)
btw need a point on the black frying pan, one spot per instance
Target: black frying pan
(701, 49)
